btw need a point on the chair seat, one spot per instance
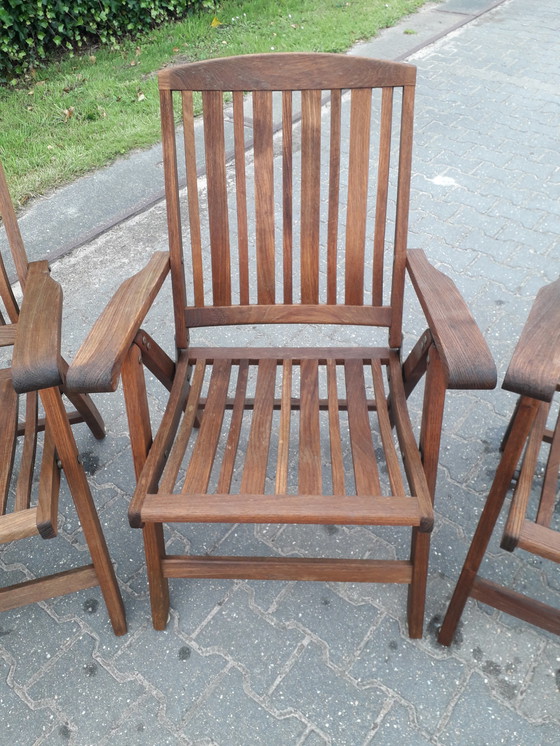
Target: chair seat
(288, 435)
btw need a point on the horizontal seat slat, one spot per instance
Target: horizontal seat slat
(289, 568)
(254, 508)
(288, 314)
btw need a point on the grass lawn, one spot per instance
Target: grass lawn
(83, 111)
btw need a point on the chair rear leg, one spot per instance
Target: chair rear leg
(85, 507)
(522, 421)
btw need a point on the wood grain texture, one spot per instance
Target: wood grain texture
(401, 217)
(258, 508)
(8, 430)
(264, 196)
(27, 462)
(36, 361)
(363, 454)
(174, 233)
(163, 440)
(358, 175)
(289, 568)
(287, 196)
(287, 71)
(383, 173)
(40, 589)
(241, 197)
(517, 604)
(534, 369)
(310, 195)
(289, 314)
(334, 196)
(15, 241)
(310, 461)
(520, 500)
(463, 350)
(218, 217)
(192, 198)
(256, 460)
(98, 362)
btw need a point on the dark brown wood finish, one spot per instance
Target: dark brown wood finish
(535, 372)
(38, 369)
(292, 434)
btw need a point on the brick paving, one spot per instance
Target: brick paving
(247, 663)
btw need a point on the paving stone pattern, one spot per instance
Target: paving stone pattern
(247, 663)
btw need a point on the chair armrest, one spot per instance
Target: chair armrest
(36, 360)
(98, 362)
(464, 353)
(534, 369)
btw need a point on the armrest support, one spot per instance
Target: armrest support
(534, 369)
(464, 353)
(36, 361)
(98, 363)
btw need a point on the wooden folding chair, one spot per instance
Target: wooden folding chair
(38, 371)
(534, 373)
(299, 239)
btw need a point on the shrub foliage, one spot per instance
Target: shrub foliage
(32, 31)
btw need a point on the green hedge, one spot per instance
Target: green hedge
(32, 31)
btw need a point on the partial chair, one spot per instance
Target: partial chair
(532, 521)
(36, 373)
(295, 174)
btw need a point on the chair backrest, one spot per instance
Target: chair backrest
(296, 225)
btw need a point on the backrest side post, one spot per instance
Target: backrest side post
(173, 217)
(401, 217)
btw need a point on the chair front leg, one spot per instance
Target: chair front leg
(154, 547)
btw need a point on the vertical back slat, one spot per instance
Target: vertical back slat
(241, 196)
(358, 170)
(218, 217)
(27, 463)
(382, 192)
(310, 194)
(226, 472)
(264, 196)
(401, 220)
(254, 472)
(173, 216)
(204, 451)
(287, 195)
(284, 429)
(334, 196)
(192, 197)
(310, 482)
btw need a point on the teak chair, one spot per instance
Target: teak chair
(37, 371)
(534, 373)
(300, 239)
